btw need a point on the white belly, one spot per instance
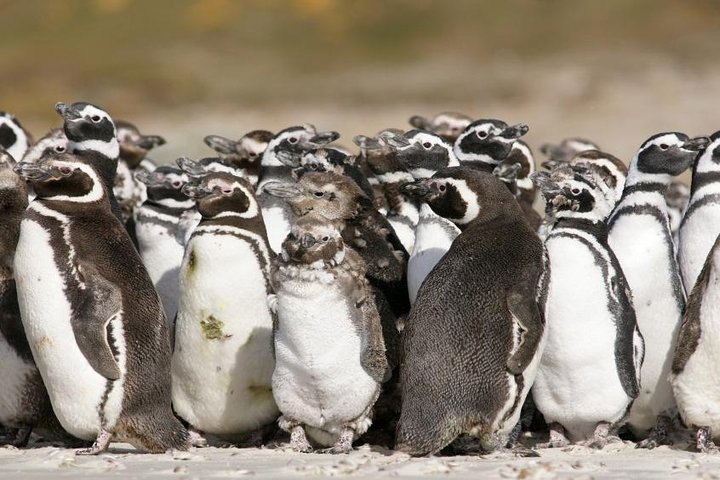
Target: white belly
(696, 238)
(318, 378)
(14, 376)
(577, 384)
(638, 241)
(277, 216)
(223, 360)
(404, 231)
(75, 388)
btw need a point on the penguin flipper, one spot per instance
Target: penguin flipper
(102, 301)
(524, 310)
(372, 358)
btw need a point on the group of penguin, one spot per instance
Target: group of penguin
(409, 290)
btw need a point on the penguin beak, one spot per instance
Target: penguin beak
(221, 144)
(394, 141)
(148, 142)
(516, 131)
(419, 122)
(367, 143)
(322, 138)
(30, 171)
(307, 241)
(191, 167)
(195, 191)
(68, 113)
(547, 186)
(281, 190)
(417, 189)
(696, 144)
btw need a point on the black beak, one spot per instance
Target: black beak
(195, 191)
(281, 190)
(148, 142)
(307, 241)
(696, 144)
(221, 144)
(30, 171)
(68, 113)
(323, 138)
(544, 182)
(516, 131)
(191, 167)
(415, 189)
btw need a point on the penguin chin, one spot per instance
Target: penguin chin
(339, 256)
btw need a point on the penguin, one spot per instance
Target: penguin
(329, 352)
(13, 136)
(276, 213)
(449, 125)
(639, 234)
(700, 224)
(134, 148)
(244, 153)
(565, 150)
(159, 233)
(472, 342)
(94, 322)
(522, 155)
(677, 198)
(55, 140)
(694, 364)
(223, 361)
(91, 135)
(584, 389)
(373, 150)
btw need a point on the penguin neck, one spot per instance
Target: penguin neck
(170, 206)
(645, 188)
(481, 165)
(275, 173)
(233, 220)
(706, 172)
(596, 228)
(110, 149)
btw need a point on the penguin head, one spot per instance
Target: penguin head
(245, 152)
(200, 168)
(380, 152)
(487, 141)
(89, 127)
(574, 192)
(6, 160)
(448, 125)
(135, 146)
(314, 240)
(565, 150)
(13, 137)
(463, 194)
(55, 141)
(667, 154)
(323, 160)
(709, 159)
(335, 197)
(606, 168)
(221, 194)
(164, 186)
(677, 195)
(295, 140)
(63, 177)
(422, 153)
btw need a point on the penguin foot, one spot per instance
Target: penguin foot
(659, 434)
(196, 438)
(557, 437)
(22, 437)
(298, 441)
(344, 443)
(703, 441)
(601, 437)
(101, 444)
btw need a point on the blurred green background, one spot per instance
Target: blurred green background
(615, 71)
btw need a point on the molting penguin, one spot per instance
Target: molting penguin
(584, 389)
(640, 236)
(13, 137)
(700, 225)
(329, 350)
(223, 359)
(244, 153)
(565, 150)
(472, 342)
(160, 234)
(276, 212)
(449, 125)
(93, 320)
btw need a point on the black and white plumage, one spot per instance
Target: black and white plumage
(94, 322)
(640, 236)
(449, 125)
(329, 349)
(473, 339)
(589, 371)
(55, 140)
(245, 153)
(564, 151)
(14, 139)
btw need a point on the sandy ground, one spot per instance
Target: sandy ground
(618, 460)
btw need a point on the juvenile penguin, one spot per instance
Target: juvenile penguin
(329, 350)
(700, 225)
(584, 389)
(93, 320)
(223, 359)
(160, 235)
(449, 125)
(565, 150)
(639, 234)
(472, 342)
(13, 136)
(245, 153)
(276, 212)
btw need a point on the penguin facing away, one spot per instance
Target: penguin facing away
(449, 125)
(329, 350)
(13, 136)
(640, 236)
(565, 151)
(584, 389)
(223, 359)
(472, 342)
(93, 320)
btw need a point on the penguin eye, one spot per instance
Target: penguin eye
(252, 154)
(664, 146)
(60, 149)
(293, 140)
(227, 190)
(176, 184)
(575, 191)
(482, 134)
(319, 194)
(325, 238)
(95, 118)
(442, 187)
(427, 145)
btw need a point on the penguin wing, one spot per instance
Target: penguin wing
(101, 301)
(523, 307)
(372, 358)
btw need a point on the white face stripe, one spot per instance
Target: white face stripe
(470, 197)
(252, 145)
(705, 163)
(253, 207)
(95, 194)
(269, 158)
(110, 149)
(22, 142)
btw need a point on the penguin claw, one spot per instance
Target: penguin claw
(298, 441)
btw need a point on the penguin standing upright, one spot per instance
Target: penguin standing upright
(449, 125)
(584, 389)
(564, 151)
(472, 342)
(13, 136)
(245, 153)
(93, 320)
(700, 224)
(55, 140)
(640, 236)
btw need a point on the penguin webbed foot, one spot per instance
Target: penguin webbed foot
(704, 442)
(557, 437)
(343, 444)
(298, 440)
(100, 445)
(196, 438)
(659, 434)
(600, 438)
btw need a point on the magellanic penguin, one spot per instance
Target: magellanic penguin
(13, 136)
(677, 198)
(694, 375)
(160, 234)
(93, 320)
(223, 359)
(55, 140)
(584, 388)
(639, 234)
(564, 151)
(374, 149)
(473, 339)
(245, 153)
(329, 350)
(701, 223)
(276, 212)
(91, 135)
(449, 125)
(134, 147)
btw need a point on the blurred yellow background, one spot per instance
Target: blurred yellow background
(614, 71)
